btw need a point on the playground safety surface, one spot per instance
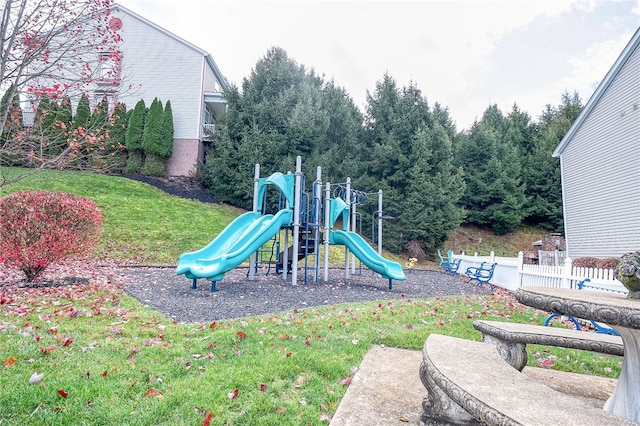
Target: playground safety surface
(237, 297)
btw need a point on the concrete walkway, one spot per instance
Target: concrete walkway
(387, 390)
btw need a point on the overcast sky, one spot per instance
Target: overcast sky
(465, 55)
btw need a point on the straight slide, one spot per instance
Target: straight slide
(242, 237)
(367, 255)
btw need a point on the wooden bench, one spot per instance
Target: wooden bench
(511, 339)
(469, 383)
(481, 274)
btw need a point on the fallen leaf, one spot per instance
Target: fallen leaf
(346, 380)
(67, 341)
(62, 393)
(213, 325)
(233, 395)
(281, 410)
(9, 361)
(153, 392)
(35, 377)
(207, 420)
(263, 387)
(242, 334)
(48, 349)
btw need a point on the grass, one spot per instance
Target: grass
(142, 224)
(107, 359)
(122, 363)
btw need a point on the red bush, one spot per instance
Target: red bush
(38, 228)
(596, 263)
(585, 262)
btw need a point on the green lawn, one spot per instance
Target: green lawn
(106, 359)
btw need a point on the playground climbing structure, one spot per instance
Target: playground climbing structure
(297, 214)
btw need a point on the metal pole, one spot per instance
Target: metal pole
(317, 192)
(327, 218)
(380, 222)
(296, 221)
(345, 226)
(256, 189)
(354, 229)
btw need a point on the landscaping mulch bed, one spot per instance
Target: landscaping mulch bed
(236, 296)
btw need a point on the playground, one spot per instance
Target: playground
(309, 219)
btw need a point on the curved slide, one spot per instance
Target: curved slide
(246, 234)
(367, 255)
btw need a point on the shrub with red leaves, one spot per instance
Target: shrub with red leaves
(38, 228)
(596, 263)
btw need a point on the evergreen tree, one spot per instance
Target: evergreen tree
(152, 142)
(282, 111)
(62, 125)
(544, 187)
(12, 123)
(133, 138)
(82, 118)
(409, 155)
(115, 144)
(43, 126)
(494, 195)
(167, 131)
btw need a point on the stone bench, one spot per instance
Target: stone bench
(468, 382)
(511, 339)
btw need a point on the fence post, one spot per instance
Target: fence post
(566, 273)
(492, 256)
(520, 267)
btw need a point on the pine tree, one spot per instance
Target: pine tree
(82, 118)
(154, 164)
(133, 138)
(494, 194)
(167, 131)
(409, 156)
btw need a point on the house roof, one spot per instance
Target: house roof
(599, 92)
(221, 78)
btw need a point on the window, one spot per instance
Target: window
(108, 72)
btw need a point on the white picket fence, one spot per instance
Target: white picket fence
(511, 273)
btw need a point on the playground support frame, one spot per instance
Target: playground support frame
(256, 185)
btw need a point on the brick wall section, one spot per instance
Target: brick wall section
(186, 154)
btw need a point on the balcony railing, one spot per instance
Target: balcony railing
(207, 131)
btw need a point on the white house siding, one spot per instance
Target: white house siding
(159, 66)
(601, 172)
(211, 83)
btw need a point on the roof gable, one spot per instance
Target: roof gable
(209, 59)
(599, 92)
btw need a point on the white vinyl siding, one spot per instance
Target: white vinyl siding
(211, 83)
(601, 172)
(156, 65)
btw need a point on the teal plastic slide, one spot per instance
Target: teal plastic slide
(242, 237)
(367, 255)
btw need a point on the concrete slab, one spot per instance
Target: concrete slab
(386, 390)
